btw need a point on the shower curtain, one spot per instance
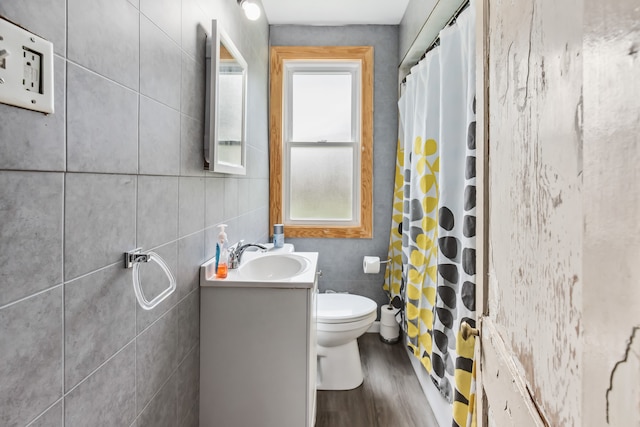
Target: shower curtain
(431, 276)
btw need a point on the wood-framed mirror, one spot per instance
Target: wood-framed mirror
(226, 105)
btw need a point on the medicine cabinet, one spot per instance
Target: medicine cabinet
(226, 105)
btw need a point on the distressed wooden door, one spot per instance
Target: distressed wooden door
(528, 231)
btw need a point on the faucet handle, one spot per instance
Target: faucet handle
(236, 246)
(234, 254)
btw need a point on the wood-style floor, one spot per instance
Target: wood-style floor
(390, 396)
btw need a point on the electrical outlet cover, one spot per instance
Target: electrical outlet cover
(26, 69)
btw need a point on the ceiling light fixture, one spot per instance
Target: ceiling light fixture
(251, 9)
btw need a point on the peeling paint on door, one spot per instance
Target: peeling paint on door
(623, 394)
(535, 187)
(564, 205)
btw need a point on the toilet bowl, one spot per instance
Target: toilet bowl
(341, 319)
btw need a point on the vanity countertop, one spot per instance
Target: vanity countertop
(235, 277)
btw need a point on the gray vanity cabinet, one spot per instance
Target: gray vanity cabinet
(257, 356)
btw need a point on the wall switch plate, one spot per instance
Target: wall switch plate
(26, 69)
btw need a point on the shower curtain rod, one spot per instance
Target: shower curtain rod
(436, 42)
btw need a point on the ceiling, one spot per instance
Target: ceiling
(334, 12)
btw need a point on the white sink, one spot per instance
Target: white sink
(274, 267)
(271, 269)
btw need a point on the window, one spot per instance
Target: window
(321, 140)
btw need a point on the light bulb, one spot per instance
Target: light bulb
(251, 10)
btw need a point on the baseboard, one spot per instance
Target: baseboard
(374, 328)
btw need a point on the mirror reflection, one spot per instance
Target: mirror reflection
(230, 108)
(225, 129)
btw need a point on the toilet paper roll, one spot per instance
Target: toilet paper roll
(388, 315)
(371, 265)
(389, 334)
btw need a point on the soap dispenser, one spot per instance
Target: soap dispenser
(222, 253)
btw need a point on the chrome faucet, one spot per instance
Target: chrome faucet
(235, 253)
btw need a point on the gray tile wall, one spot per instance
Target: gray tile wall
(341, 259)
(118, 166)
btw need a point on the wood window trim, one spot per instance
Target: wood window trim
(280, 54)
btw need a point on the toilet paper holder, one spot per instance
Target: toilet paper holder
(371, 264)
(381, 262)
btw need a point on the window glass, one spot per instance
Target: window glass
(321, 107)
(321, 183)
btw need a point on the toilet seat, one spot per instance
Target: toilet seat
(344, 309)
(346, 326)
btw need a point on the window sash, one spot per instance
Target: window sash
(363, 225)
(355, 186)
(352, 68)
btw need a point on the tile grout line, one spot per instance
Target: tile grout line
(112, 264)
(33, 295)
(64, 202)
(64, 198)
(166, 312)
(97, 270)
(111, 80)
(37, 417)
(182, 120)
(64, 241)
(173, 372)
(135, 234)
(90, 374)
(177, 44)
(65, 170)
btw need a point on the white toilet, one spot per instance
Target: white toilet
(342, 318)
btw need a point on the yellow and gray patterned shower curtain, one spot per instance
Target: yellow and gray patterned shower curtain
(431, 276)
